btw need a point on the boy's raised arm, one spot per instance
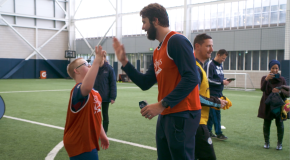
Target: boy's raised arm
(90, 77)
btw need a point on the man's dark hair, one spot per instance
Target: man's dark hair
(200, 39)
(222, 52)
(155, 10)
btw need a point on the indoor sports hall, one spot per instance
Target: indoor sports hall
(39, 38)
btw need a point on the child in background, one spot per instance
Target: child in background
(83, 126)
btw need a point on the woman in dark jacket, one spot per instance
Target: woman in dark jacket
(105, 84)
(268, 85)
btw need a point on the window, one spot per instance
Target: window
(226, 62)
(141, 57)
(248, 60)
(194, 18)
(274, 11)
(132, 59)
(111, 59)
(265, 12)
(250, 11)
(213, 16)
(240, 60)
(213, 54)
(227, 20)
(201, 18)
(280, 55)
(272, 55)
(255, 61)
(242, 13)
(233, 60)
(235, 14)
(282, 13)
(264, 62)
(257, 12)
(220, 15)
(149, 60)
(207, 17)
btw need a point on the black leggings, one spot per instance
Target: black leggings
(280, 129)
(105, 113)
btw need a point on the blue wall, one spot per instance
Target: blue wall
(32, 68)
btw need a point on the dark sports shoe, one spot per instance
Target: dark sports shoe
(212, 135)
(221, 137)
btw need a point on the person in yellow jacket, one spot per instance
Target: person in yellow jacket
(203, 46)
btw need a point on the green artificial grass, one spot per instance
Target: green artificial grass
(22, 140)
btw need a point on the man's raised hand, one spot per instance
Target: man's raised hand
(120, 51)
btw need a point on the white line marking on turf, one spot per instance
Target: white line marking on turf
(54, 151)
(33, 122)
(36, 91)
(53, 90)
(56, 148)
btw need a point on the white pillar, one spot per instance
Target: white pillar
(287, 33)
(71, 25)
(119, 29)
(187, 19)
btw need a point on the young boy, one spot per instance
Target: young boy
(83, 126)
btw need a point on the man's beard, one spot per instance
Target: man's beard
(151, 33)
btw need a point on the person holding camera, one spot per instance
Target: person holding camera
(269, 84)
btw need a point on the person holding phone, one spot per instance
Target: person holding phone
(215, 75)
(269, 84)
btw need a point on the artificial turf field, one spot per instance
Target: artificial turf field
(45, 101)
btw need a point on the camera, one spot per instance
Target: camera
(276, 75)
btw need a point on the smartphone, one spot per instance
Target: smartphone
(230, 79)
(142, 104)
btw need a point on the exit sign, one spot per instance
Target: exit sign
(151, 49)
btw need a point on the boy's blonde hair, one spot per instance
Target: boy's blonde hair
(71, 66)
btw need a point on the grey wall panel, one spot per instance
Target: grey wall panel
(154, 44)
(85, 48)
(24, 7)
(91, 42)
(109, 45)
(44, 8)
(55, 49)
(8, 6)
(12, 46)
(273, 38)
(25, 22)
(82, 47)
(143, 44)
(79, 46)
(45, 23)
(9, 19)
(59, 24)
(193, 35)
(235, 40)
(129, 44)
(248, 39)
(58, 11)
(223, 40)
